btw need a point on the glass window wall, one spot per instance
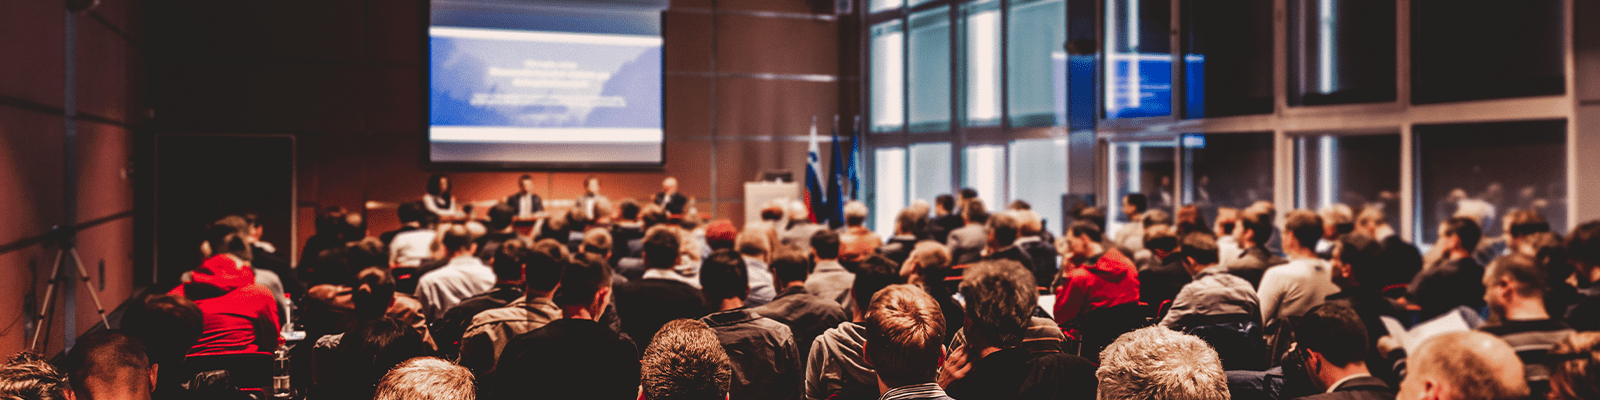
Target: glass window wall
(1488, 170)
(1226, 170)
(1341, 51)
(930, 170)
(930, 70)
(985, 172)
(1139, 167)
(1138, 67)
(1036, 62)
(1227, 46)
(888, 76)
(981, 62)
(889, 187)
(1039, 177)
(1487, 49)
(1359, 171)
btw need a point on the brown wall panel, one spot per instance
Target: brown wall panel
(778, 6)
(31, 148)
(392, 28)
(688, 107)
(774, 107)
(103, 58)
(33, 60)
(394, 99)
(751, 44)
(234, 96)
(754, 157)
(264, 30)
(689, 46)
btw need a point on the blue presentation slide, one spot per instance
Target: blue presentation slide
(508, 96)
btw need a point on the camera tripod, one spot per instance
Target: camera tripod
(64, 249)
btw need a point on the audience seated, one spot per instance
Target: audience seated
(1253, 232)
(1456, 280)
(1515, 294)
(944, 219)
(426, 378)
(1093, 277)
(755, 246)
(907, 225)
(168, 326)
(927, 268)
(1040, 246)
(1337, 220)
(490, 330)
(554, 359)
(828, 278)
(1218, 307)
(1575, 367)
(967, 242)
(409, 248)
(1291, 289)
(807, 316)
(240, 316)
(367, 353)
(509, 281)
(1129, 237)
(685, 362)
(26, 376)
(627, 231)
(1157, 363)
(856, 241)
(903, 343)
(1464, 366)
(1333, 344)
(1401, 260)
(661, 295)
(992, 364)
(1356, 257)
(499, 231)
(464, 276)
(110, 364)
(836, 367)
(1163, 275)
(1002, 232)
(1584, 248)
(766, 361)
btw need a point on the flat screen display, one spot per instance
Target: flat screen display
(543, 89)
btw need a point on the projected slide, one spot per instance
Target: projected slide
(534, 97)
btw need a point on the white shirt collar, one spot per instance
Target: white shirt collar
(1336, 384)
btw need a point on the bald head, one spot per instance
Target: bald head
(1464, 366)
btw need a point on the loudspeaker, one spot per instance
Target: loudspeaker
(78, 6)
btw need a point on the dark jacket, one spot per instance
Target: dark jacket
(766, 362)
(645, 305)
(1045, 262)
(806, 316)
(1272, 384)
(966, 244)
(1446, 286)
(1253, 263)
(1013, 253)
(1370, 305)
(549, 360)
(939, 228)
(836, 367)
(1162, 280)
(447, 330)
(672, 204)
(1585, 315)
(1363, 388)
(1403, 262)
(899, 248)
(1016, 373)
(535, 206)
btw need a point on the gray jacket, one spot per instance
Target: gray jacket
(1214, 292)
(838, 366)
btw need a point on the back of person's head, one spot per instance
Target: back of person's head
(368, 351)
(685, 362)
(873, 274)
(168, 325)
(932, 261)
(968, 193)
(228, 235)
(753, 242)
(1371, 217)
(373, 293)
(367, 252)
(456, 238)
(1139, 202)
(905, 336)
(1029, 222)
(1200, 247)
(1258, 220)
(426, 378)
(1466, 365)
(1000, 295)
(1094, 215)
(410, 211)
(975, 212)
(109, 364)
(27, 376)
(826, 244)
(945, 201)
(1305, 226)
(661, 246)
(1086, 229)
(723, 276)
(583, 276)
(1575, 367)
(1518, 270)
(1159, 363)
(628, 209)
(508, 260)
(1157, 217)
(790, 266)
(909, 221)
(328, 221)
(596, 241)
(652, 215)
(1526, 222)
(855, 213)
(1190, 219)
(500, 216)
(1464, 229)
(1339, 217)
(1362, 254)
(1161, 237)
(542, 270)
(721, 235)
(1583, 245)
(772, 211)
(1004, 227)
(550, 247)
(1333, 331)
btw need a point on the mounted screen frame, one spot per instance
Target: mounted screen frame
(577, 18)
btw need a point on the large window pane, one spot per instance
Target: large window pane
(880, 5)
(1226, 170)
(1139, 167)
(1486, 49)
(930, 170)
(889, 186)
(1490, 169)
(1358, 171)
(1138, 65)
(1036, 86)
(1227, 46)
(930, 70)
(1341, 51)
(888, 76)
(1039, 176)
(985, 172)
(981, 62)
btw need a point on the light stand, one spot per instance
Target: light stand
(64, 249)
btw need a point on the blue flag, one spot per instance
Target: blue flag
(837, 176)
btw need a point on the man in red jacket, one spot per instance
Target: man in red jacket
(1092, 277)
(240, 316)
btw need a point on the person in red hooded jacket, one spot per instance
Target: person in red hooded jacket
(1103, 277)
(240, 316)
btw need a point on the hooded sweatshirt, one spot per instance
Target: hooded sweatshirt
(1107, 281)
(240, 316)
(837, 365)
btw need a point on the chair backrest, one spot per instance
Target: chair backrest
(1238, 341)
(245, 370)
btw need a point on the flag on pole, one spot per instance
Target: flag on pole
(816, 199)
(836, 181)
(853, 188)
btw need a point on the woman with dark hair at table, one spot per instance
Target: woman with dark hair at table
(439, 200)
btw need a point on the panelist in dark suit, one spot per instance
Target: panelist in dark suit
(669, 198)
(527, 203)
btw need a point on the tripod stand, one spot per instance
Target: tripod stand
(65, 248)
